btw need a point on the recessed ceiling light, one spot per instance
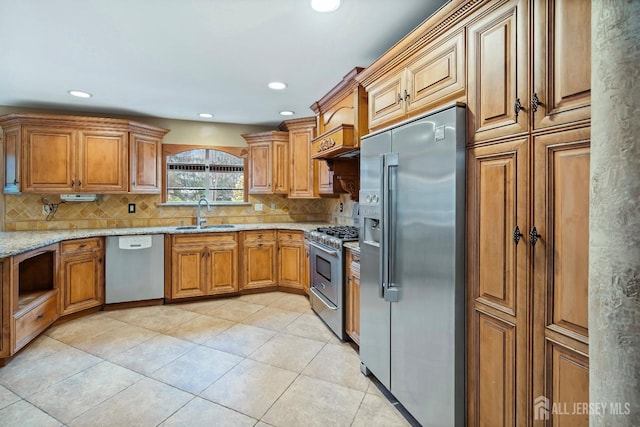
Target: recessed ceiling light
(277, 85)
(325, 5)
(205, 115)
(80, 94)
(286, 113)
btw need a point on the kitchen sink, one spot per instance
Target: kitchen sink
(186, 227)
(219, 226)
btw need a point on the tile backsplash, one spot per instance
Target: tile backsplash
(24, 212)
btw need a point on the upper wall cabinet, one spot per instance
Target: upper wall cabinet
(561, 62)
(67, 154)
(268, 162)
(303, 170)
(499, 73)
(432, 76)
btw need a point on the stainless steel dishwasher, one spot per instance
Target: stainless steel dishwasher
(134, 268)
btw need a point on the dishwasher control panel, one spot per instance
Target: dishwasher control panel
(134, 242)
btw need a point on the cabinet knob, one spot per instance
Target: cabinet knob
(73, 183)
(15, 181)
(517, 107)
(535, 102)
(534, 236)
(517, 235)
(79, 183)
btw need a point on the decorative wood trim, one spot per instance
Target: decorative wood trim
(444, 19)
(293, 124)
(338, 92)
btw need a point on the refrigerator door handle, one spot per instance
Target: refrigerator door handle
(388, 160)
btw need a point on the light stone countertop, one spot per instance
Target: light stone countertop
(16, 242)
(355, 246)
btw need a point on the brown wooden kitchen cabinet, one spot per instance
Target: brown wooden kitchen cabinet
(71, 154)
(303, 170)
(81, 274)
(560, 258)
(352, 313)
(497, 203)
(5, 308)
(291, 259)
(145, 161)
(268, 162)
(259, 260)
(561, 62)
(203, 264)
(498, 73)
(432, 76)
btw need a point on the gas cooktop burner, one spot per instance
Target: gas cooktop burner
(333, 236)
(341, 232)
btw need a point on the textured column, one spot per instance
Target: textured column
(614, 247)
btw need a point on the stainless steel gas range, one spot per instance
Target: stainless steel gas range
(327, 293)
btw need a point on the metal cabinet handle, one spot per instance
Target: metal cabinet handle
(518, 107)
(40, 316)
(534, 236)
(535, 102)
(79, 183)
(517, 235)
(406, 96)
(399, 99)
(314, 292)
(73, 183)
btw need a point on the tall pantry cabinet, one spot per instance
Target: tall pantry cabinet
(528, 205)
(524, 73)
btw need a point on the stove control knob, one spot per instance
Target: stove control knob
(369, 198)
(375, 198)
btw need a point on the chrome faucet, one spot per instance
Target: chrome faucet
(200, 220)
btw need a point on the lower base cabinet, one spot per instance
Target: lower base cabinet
(203, 264)
(81, 274)
(352, 321)
(291, 259)
(259, 259)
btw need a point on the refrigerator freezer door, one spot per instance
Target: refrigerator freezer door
(424, 372)
(374, 310)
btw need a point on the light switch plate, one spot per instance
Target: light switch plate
(258, 207)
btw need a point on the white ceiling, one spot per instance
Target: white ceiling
(177, 58)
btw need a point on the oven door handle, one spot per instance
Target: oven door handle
(321, 298)
(329, 251)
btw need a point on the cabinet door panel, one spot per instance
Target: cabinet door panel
(259, 169)
(259, 265)
(50, 159)
(290, 256)
(498, 73)
(498, 201)
(568, 386)
(438, 75)
(12, 162)
(187, 272)
(83, 282)
(496, 373)
(302, 166)
(561, 254)
(145, 172)
(223, 276)
(384, 105)
(103, 161)
(280, 168)
(562, 61)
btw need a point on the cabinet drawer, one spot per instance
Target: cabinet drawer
(291, 235)
(259, 235)
(32, 322)
(205, 239)
(81, 245)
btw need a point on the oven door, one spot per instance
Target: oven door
(326, 274)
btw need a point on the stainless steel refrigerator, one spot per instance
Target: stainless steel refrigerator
(412, 210)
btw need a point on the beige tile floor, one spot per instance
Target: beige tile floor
(254, 360)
